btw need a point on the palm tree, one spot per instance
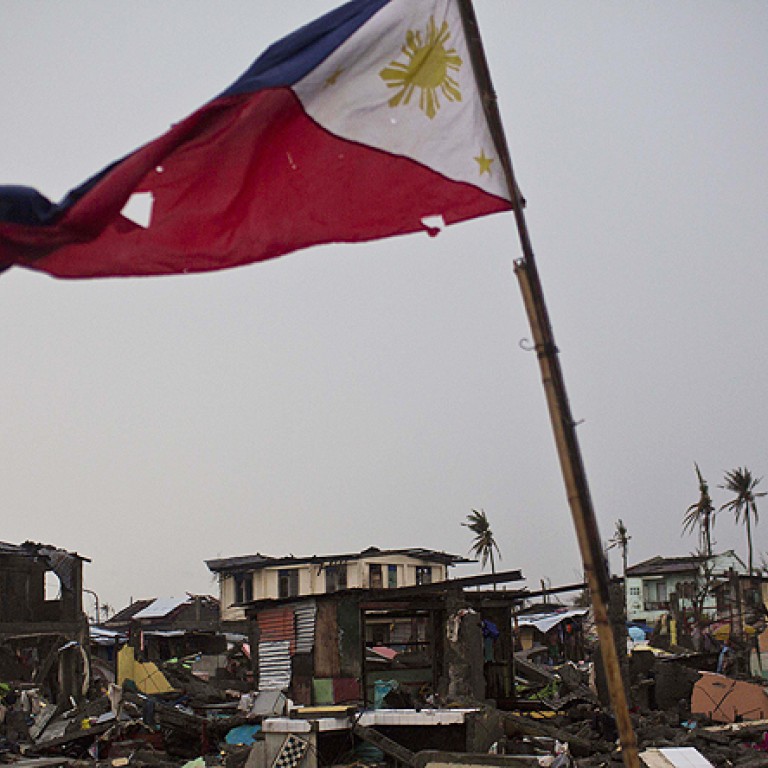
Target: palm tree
(621, 539)
(701, 515)
(740, 482)
(484, 544)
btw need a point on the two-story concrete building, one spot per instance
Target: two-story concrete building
(260, 577)
(657, 586)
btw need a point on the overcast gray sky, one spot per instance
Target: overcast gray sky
(357, 395)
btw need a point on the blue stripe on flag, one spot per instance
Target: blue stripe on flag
(288, 60)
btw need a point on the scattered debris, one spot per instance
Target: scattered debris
(430, 675)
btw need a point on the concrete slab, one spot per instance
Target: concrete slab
(674, 757)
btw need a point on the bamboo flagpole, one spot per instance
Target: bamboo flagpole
(564, 428)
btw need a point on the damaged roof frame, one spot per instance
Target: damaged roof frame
(265, 561)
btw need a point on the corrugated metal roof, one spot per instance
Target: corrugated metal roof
(33, 549)
(128, 613)
(102, 636)
(662, 565)
(258, 560)
(274, 665)
(161, 607)
(233, 563)
(545, 621)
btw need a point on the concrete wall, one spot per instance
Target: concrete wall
(227, 598)
(312, 579)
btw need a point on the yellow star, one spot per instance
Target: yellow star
(484, 163)
(333, 78)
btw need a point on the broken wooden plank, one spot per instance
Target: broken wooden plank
(385, 744)
(438, 759)
(579, 746)
(67, 738)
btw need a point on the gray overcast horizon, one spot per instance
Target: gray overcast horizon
(356, 395)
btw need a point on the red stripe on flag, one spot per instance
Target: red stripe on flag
(245, 179)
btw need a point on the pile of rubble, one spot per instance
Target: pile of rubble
(122, 725)
(558, 722)
(591, 737)
(674, 707)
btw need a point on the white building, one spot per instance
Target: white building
(655, 585)
(260, 577)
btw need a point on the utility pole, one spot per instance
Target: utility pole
(96, 599)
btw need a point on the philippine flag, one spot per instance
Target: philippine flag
(364, 124)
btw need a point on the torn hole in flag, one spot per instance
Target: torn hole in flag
(139, 209)
(433, 224)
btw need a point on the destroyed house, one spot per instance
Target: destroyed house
(43, 630)
(663, 585)
(743, 595)
(742, 611)
(260, 577)
(166, 627)
(440, 641)
(554, 636)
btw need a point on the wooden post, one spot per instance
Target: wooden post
(363, 666)
(563, 425)
(254, 635)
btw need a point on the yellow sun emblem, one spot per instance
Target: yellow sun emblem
(428, 68)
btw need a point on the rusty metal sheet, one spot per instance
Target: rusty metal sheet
(277, 624)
